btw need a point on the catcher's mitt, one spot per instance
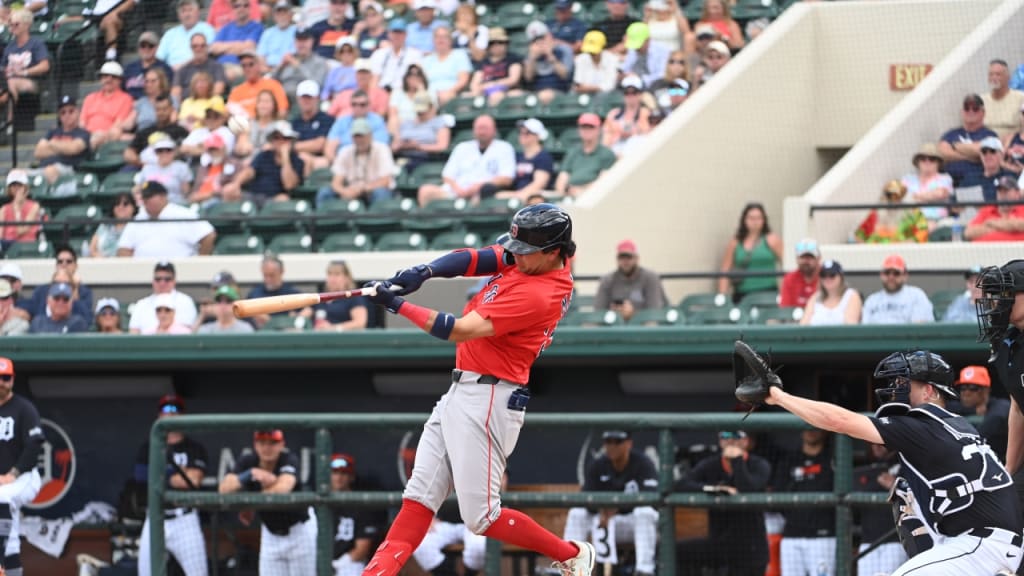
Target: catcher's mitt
(754, 375)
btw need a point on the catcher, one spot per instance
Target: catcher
(954, 503)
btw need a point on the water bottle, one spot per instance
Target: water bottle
(958, 229)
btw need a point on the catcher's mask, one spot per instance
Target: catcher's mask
(999, 287)
(899, 368)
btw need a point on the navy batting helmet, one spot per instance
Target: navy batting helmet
(899, 368)
(999, 286)
(541, 227)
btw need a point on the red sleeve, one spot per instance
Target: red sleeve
(517, 309)
(984, 214)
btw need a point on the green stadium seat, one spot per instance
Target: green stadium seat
(113, 184)
(703, 301)
(491, 214)
(229, 217)
(600, 318)
(941, 301)
(335, 216)
(656, 316)
(86, 184)
(386, 216)
(346, 242)
(395, 241)
(548, 10)
(774, 315)
(426, 173)
(605, 102)
(460, 136)
(48, 197)
(693, 10)
(109, 158)
(238, 244)
(284, 216)
(565, 108)
(22, 250)
(285, 323)
(513, 108)
(744, 10)
(715, 316)
(465, 108)
(568, 140)
(515, 15)
(291, 243)
(582, 302)
(763, 299)
(76, 219)
(436, 217)
(312, 185)
(455, 240)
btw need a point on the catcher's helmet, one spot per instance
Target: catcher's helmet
(540, 227)
(899, 368)
(999, 286)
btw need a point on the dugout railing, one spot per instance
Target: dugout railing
(321, 498)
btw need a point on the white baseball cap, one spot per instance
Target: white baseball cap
(164, 301)
(424, 4)
(632, 81)
(11, 270)
(308, 88)
(537, 29)
(17, 176)
(111, 68)
(534, 126)
(108, 303)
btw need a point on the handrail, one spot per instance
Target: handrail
(882, 205)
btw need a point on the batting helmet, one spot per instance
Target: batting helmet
(999, 286)
(541, 227)
(899, 368)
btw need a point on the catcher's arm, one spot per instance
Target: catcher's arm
(826, 416)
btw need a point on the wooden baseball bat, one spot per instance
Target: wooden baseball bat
(273, 304)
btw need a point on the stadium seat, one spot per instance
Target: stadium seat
(76, 219)
(465, 108)
(565, 108)
(291, 243)
(455, 240)
(605, 102)
(602, 318)
(285, 323)
(491, 214)
(583, 302)
(49, 197)
(763, 299)
(941, 301)
(659, 316)
(286, 216)
(234, 244)
(229, 217)
(394, 241)
(548, 11)
(568, 139)
(312, 185)
(86, 184)
(19, 250)
(386, 216)
(514, 15)
(702, 301)
(715, 316)
(513, 108)
(693, 10)
(109, 158)
(774, 315)
(113, 184)
(426, 173)
(436, 217)
(346, 242)
(335, 216)
(744, 10)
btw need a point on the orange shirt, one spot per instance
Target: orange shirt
(100, 111)
(245, 95)
(992, 213)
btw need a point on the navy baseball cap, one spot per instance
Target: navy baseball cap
(60, 289)
(303, 33)
(66, 100)
(615, 435)
(563, 4)
(831, 267)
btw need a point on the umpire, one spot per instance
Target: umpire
(954, 503)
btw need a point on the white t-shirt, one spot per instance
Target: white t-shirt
(389, 68)
(908, 306)
(467, 165)
(165, 241)
(604, 74)
(144, 314)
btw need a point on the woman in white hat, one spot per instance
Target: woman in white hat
(20, 209)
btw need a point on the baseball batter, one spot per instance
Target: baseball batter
(475, 425)
(21, 441)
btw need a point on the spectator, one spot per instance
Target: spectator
(357, 529)
(11, 324)
(808, 539)
(626, 122)
(704, 35)
(716, 56)
(166, 321)
(876, 523)
(668, 26)
(145, 107)
(800, 285)
(112, 15)
(245, 93)
(65, 271)
(594, 68)
(963, 309)
(992, 169)
(535, 167)
(235, 38)
(447, 70)
(630, 287)
(340, 134)
(342, 75)
(200, 62)
(144, 238)
(390, 63)
(1002, 105)
(216, 169)
(164, 127)
(837, 304)
(362, 170)
(401, 107)
(974, 386)
(498, 72)
(221, 13)
(174, 175)
(12, 273)
(226, 323)
(619, 469)
(303, 65)
(135, 72)
(311, 127)
(614, 27)
(336, 26)
(65, 146)
(346, 313)
(266, 119)
(566, 28)
(468, 34)
(582, 166)
(895, 224)
(273, 173)
(421, 30)
(897, 302)
(174, 45)
(103, 243)
(547, 68)
(717, 13)
(19, 208)
(214, 122)
(57, 317)
(108, 112)
(379, 97)
(144, 316)
(928, 183)
(371, 29)
(272, 270)
(736, 544)
(475, 169)
(673, 88)
(961, 147)
(424, 135)
(108, 316)
(25, 60)
(753, 248)
(999, 223)
(278, 40)
(643, 58)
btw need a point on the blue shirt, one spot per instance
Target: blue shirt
(421, 37)
(570, 31)
(368, 43)
(959, 170)
(267, 180)
(232, 32)
(525, 167)
(339, 311)
(275, 43)
(135, 76)
(36, 304)
(59, 133)
(317, 126)
(327, 36)
(545, 76)
(23, 57)
(176, 44)
(339, 79)
(341, 130)
(987, 183)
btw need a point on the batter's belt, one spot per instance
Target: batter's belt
(467, 377)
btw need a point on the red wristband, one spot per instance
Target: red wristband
(418, 315)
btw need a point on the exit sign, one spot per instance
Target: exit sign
(904, 77)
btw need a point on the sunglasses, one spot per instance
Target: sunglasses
(989, 151)
(108, 312)
(970, 387)
(972, 108)
(60, 298)
(928, 159)
(829, 275)
(163, 150)
(65, 260)
(146, 45)
(169, 409)
(677, 61)
(6, 378)
(360, 104)
(163, 310)
(499, 42)
(892, 272)
(223, 300)
(125, 203)
(163, 278)
(631, 92)
(729, 436)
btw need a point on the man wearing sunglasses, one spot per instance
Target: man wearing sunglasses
(144, 313)
(236, 37)
(135, 72)
(974, 387)
(58, 318)
(20, 449)
(66, 260)
(897, 302)
(225, 322)
(961, 147)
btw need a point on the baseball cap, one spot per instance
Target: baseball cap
(215, 105)
(615, 435)
(272, 435)
(992, 143)
(108, 303)
(164, 144)
(248, 54)
(11, 270)
(6, 366)
(360, 127)
(977, 375)
(283, 128)
(164, 266)
(421, 102)
(720, 47)
(589, 119)
(831, 267)
(5, 288)
(636, 35)
(974, 100)
(808, 246)
(497, 34)
(222, 278)
(594, 42)
(626, 247)
(363, 65)
(111, 68)
(375, 6)
(420, 4)
(283, 5)
(171, 404)
(151, 188)
(345, 41)
(563, 4)
(534, 126)
(705, 31)
(226, 290)
(344, 463)
(894, 262)
(1007, 183)
(632, 81)
(303, 34)
(537, 29)
(214, 140)
(396, 25)
(657, 4)
(164, 301)
(60, 289)
(67, 100)
(17, 176)
(308, 88)
(149, 37)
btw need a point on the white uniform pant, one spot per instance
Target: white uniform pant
(16, 494)
(345, 566)
(430, 553)
(808, 556)
(966, 555)
(881, 561)
(639, 527)
(183, 537)
(291, 554)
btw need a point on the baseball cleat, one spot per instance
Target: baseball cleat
(582, 564)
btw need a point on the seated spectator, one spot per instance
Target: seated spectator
(753, 248)
(390, 62)
(216, 168)
(174, 45)
(585, 164)
(800, 285)
(836, 304)
(991, 169)
(108, 112)
(166, 318)
(108, 316)
(66, 271)
(145, 107)
(25, 60)
(103, 243)
(192, 111)
(567, 29)
(139, 150)
(346, 313)
(134, 79)
(498, 71)
(379, 97)
(364, 170)
(12, 273)
(668, 26)
(400, 105)
(963, 309)
(974, 386)
(174, 175)
(999, 223)
(207, 307)
(265, 120)
(245, 93)
(644, 59)
(272, 270)
(327, 32)
(112, 15)
(718, 14)
(143, 238)
(144, 315)
(19, 208)
(235, 38)
(65, 146)
(897, 302)
(1013, 160)
(273, 173)
(200, 62)
(595, 69)
(421, 30)
(214, 122)
(342, 75)
(614, 27)
(278, 40)
(630, 287)
(716, 56)
(11, 324)
(425, 134)
(302, 65)
(961, 147)
(226, 323)
(630, 120)
(371, 29)
(447, 69)
(222, 12)
(57, 317)
(1002, 104)
(672, 89)
(535, 167)
(340, 134)
(475, 169)
(547, 67)
(928, 183)
(468, 34)
(311, 126)
(895, 224)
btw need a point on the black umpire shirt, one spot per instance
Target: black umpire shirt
(798, 472)
(21, 436)
(639, 475)
(278, 522)
(1007, 363)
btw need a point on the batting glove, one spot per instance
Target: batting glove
(385, 297)
(409, 280)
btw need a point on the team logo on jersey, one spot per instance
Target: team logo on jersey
(491, 293)
(6, 429)
(514, 231)
(57, 465)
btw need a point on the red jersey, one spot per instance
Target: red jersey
(796, 290)
(525, 310)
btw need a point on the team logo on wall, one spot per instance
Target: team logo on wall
(58, 466)
(407, 455)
